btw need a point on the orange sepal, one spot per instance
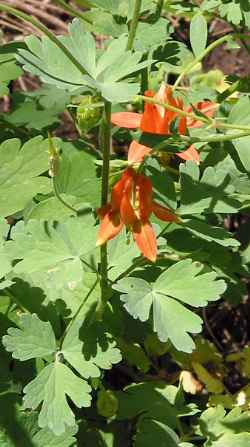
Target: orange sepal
(137, 152)
(129, 120)
(145, 239)
(110, 226)
(144, 190)
(190, 154)
(127, 211)
(164, 214)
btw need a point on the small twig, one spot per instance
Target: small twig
(210, 331)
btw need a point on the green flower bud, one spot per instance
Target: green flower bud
(54, 157)
(88, 113)
(107, 403)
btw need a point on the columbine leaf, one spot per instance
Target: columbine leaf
(47, 61)
(50, 254)
(5, 265)
(8, 67)
(170, 318)
(153, 431)
(76, 182)
(46, 437)
(198, 34)
(240, 115)
(210, 194)
(51, 388)
(26, 112)
(34, 339)
(209, 233)
(89, 349)
(167, 312)
(225, 430)
(20, 173)
(185, 282)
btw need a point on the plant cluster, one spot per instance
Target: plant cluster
(117, 246)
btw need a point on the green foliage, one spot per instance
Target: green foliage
(8, 67)
(35, 338)
(50, 387)
(100, 347)
(212, 193)
(20, 173)
(182, 282)
(198, 34)
(46, 60)
(61, 270)
(238, 115)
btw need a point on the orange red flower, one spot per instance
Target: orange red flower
(156, 119)
(131, 205)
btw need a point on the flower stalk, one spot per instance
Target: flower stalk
(105, 141)
(198, 59)
(134, 24)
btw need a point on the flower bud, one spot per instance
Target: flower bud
(88, 113)
(54, 158)
(107, 403)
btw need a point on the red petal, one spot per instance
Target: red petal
(118, 188)
(144, 190)
(127, 212)
(190, 154)
(110, 226)
(137, 152)
(145, 239)
(164, 213)
(151, 119)
(129, 120)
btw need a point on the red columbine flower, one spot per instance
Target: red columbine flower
(156, 119)
(131, 205)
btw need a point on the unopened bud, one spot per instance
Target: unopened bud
(107, 403)
(54, 157)
(88, 113)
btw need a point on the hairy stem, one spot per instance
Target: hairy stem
(21, 15)
(134, 23)
(105, 141)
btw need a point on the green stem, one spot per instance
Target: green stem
(78, 311)
(212, 122)
(133, 25)
(219, 138)
(105, 140)
(174, 109)
(21, 15)
(231, 126)
(58, 196)
(72, 12)
(159, 7)
(198, 59)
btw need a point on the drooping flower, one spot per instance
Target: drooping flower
(131, 205)
(156, 119)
